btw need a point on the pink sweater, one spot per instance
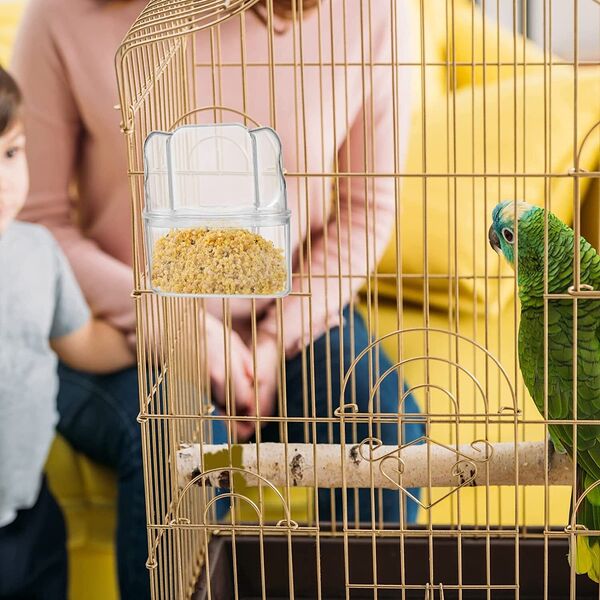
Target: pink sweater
(64, 63)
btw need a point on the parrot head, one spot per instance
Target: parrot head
(516, 219)
(506, 218)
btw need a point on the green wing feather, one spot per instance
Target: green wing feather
(560, 390)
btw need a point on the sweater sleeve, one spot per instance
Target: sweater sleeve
(53, 129)
(363, 216)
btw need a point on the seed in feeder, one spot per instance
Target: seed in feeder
(217, 261)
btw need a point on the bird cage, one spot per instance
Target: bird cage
(403, 123)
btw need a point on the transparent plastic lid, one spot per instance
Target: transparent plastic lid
(213, 170)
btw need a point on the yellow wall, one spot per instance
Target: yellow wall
(10, 13)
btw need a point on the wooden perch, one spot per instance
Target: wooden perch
(308, 465)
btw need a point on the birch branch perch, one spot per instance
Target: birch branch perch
(308, 465)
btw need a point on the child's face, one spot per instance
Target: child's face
(14, 177)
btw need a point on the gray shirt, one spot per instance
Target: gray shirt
(39, 300)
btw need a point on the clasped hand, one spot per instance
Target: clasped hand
(253, 386)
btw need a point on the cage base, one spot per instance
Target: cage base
(416, 567)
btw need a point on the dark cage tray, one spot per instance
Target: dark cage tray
(416, 568)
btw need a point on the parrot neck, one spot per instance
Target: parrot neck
(560, 273)
(531, 291)
(531, 259)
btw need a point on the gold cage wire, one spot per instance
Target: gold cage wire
(445, 310)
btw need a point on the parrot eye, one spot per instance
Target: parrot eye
(508, 235)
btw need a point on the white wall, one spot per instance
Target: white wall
(562, 12)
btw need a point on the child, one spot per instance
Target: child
(42, 315)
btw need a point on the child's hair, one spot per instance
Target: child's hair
(10, 100)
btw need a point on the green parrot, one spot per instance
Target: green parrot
(512, 221)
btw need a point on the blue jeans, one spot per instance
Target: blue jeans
(98, 417)
(33, 552)
(389, 403)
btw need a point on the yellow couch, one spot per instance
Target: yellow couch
(87, 495)
(87, 492)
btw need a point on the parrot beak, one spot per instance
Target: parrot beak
(494, 240)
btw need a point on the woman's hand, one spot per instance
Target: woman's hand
(240, 364)
(267, 366)
(240, 372)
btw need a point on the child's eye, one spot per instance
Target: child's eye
(12, 152)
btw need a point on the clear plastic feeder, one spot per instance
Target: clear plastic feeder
(215, 216)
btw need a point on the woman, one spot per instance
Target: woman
(64, 62)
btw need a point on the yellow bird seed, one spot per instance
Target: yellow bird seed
(217, 261)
